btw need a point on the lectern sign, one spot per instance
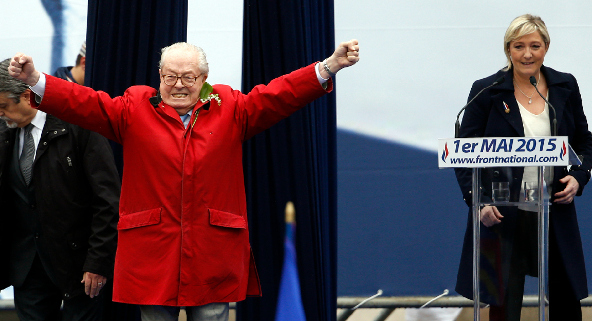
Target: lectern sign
(503, 152)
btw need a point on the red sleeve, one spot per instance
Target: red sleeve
(90, 109)
(266, 105)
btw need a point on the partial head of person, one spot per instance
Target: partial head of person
(81, 58)
(183, 70)
(15, 106)
(526, 43)
(78, 71)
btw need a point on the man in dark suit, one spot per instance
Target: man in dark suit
(59, 194)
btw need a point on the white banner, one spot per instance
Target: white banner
(503, 152)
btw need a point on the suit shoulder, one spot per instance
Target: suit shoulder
(54, 124)
(6, 134)
(484, 82)
(557, 77)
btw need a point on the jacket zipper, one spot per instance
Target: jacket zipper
(182, 193)
(192, 123)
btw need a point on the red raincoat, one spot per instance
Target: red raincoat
(183, 234)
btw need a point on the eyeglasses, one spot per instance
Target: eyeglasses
(187, 81)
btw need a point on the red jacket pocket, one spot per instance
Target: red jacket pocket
(226, 219)
(138, 219)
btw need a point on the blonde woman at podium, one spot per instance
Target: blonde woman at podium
(513, 108)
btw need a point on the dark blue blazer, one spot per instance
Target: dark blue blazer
(486, 117)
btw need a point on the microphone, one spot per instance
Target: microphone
(457, 125)
(554, 129)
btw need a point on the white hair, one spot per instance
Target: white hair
(202, 62)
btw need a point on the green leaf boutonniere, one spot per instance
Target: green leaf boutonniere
(206, 94)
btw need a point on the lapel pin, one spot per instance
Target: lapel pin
(506, 108)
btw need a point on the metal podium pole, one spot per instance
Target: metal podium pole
(476, 242)
(543, 240)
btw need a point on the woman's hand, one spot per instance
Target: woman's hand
(571, 189)
(490, 216)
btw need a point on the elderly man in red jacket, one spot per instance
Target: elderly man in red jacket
(183, 236)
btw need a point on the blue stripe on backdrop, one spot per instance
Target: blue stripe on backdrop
(292, 161)
(55, 11)
(402, 220)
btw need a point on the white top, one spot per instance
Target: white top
(534, 125)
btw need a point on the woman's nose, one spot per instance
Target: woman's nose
(528, 54)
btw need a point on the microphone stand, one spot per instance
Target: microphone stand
(554, 127)
(457, 124)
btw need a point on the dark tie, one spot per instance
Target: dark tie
(28, 154)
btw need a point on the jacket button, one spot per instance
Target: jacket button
(63, 129)
(44, 143)
(55, 132)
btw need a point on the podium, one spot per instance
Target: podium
(494, 161)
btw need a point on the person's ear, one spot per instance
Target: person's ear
(26, 96)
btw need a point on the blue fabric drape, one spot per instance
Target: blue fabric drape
(294, 160)
(123, 43)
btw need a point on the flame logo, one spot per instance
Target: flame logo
(563, 151)
(445, 153)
